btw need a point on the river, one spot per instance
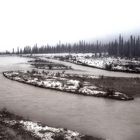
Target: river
(115, 120)
(93, 71)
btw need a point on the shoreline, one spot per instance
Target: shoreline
(65, 83)
(124, 71)
(14, 127)
(114, 64)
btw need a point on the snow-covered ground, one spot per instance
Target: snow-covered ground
(108, 63)
(101, 61)
(77, 84)
(35, 130)
(52, 55)
(48, 133)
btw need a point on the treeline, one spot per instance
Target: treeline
(119, 47)
(125, 48)
(80, 47)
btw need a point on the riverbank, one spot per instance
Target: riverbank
(106, 63)
(14, 127)
(72, 83)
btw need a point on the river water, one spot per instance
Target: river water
(94, 71)
(115, 120)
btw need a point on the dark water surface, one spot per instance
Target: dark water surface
(115, 120)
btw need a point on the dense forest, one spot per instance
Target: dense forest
(118, 48)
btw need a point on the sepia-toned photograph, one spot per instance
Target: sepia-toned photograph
(69, 70)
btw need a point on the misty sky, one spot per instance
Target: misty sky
(26, 22)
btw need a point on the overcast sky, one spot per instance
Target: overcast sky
(26, 22)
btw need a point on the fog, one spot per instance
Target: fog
(50, 21)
